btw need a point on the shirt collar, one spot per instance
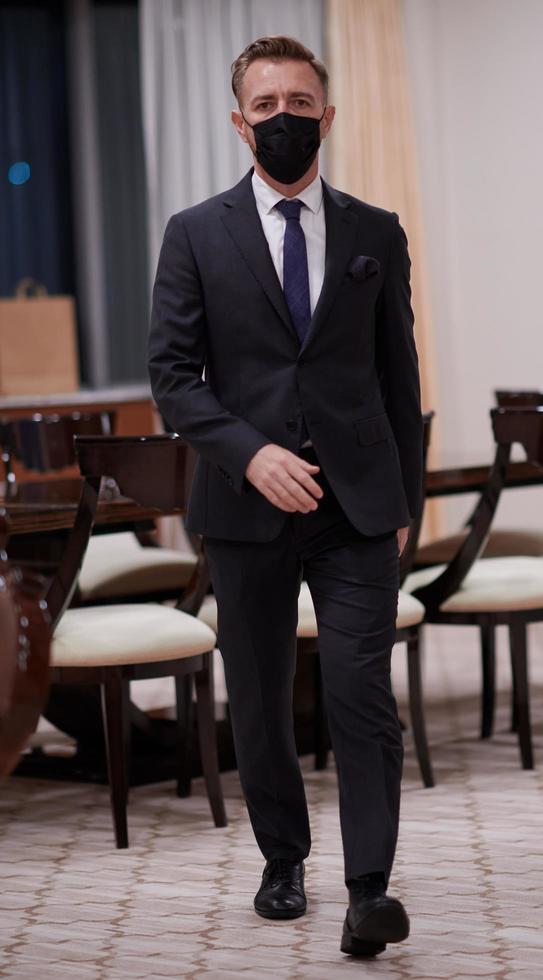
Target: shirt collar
(267, 197)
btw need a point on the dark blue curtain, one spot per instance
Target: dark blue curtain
(35, 215)
(122, 180)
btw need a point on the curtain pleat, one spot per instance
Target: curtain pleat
(371, 148)
(191, 149)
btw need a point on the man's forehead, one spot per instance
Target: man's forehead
(264, 76)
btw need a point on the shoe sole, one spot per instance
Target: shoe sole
(358, 947)
(382, 926)
(276, 914)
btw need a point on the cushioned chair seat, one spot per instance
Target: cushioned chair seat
(410, 612)
(102, 636)
(501, 544)
(117, 565)
(492, 585)
(307, 621)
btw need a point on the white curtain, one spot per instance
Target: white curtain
(187, 47)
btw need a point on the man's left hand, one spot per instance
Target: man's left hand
(402, 534)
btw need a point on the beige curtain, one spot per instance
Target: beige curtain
(371, 149)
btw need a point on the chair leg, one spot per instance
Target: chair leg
(514, 711)
(207, 737)
(320, 718)
(519, 664)
(488, 693)
(185, 715)
(416, 707)
(114, 692)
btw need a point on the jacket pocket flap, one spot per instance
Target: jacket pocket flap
(372, 430)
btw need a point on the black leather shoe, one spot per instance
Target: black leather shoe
(373, 919)
(281, 894)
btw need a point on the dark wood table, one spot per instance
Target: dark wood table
(47, 506)
(453, 478)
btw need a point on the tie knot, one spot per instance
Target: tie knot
(290, 209)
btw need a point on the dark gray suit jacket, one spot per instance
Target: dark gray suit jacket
(218, 305)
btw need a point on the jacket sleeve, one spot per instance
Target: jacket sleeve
(397, 364)
(177, 357)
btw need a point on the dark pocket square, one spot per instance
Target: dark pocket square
(363, 267)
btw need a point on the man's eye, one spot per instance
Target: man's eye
(263, 105)
(301, 103)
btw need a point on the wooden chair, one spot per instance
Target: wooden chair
(111, 645)
(500, 543)
(25, 632)
(123, 566)
(493, 591)
(408, 622)
(518, 397)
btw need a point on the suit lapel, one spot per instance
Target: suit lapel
(341, 225)
(243, 224)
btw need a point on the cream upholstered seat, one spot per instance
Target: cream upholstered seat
(410, 612)
(492, 585)
(117, 565)
(500, 544)
(104, 636)
(307, 621)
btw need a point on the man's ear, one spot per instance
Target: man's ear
(239, 124)
(327, 120)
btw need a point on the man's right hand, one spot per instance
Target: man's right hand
(284, 479)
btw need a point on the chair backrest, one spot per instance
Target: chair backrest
(522, 425)
(45, 443)
(25, 631)
(517, 397)
(509, 426)
(410, 550)
(154, 471)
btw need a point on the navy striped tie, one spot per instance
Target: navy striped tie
(295, 270)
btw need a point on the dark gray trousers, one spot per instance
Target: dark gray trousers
(354, 585)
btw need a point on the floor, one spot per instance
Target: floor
(178, 902)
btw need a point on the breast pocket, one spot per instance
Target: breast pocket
(373, 430)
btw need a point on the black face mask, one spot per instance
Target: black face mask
(286, 145)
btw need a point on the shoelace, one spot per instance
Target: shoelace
(280, 869)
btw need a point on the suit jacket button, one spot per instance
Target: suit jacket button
(292, 425)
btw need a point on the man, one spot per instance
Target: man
(295, 300)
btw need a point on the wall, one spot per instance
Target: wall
(477, 75)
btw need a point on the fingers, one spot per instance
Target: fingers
(287, 482)
(306, 465)
(306, 481)
(296, 493)
(289, 493)
(281, 502)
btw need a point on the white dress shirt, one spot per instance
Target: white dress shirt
(313, 224)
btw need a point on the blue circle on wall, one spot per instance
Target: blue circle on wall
(19, 172)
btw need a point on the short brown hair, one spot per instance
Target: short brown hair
(275, 48)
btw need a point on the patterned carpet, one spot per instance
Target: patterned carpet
(178, 902)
